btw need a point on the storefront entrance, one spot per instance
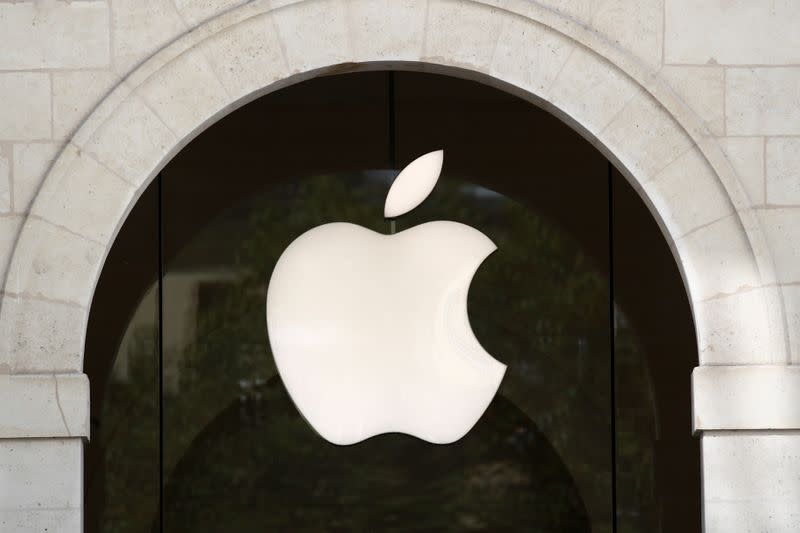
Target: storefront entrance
(590, 431)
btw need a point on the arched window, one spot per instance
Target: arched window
(590, 430)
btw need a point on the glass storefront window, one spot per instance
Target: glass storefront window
(227, 448)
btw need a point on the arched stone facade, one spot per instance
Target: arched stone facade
(630, 115)
(611, 97)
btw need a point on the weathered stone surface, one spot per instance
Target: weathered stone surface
(41, 474)
(718, 260)
(314, 34)
(762, 101)
(687, 194)
(782, 229)
(751, 482)
(54, 35)
(590, 91)
(791, 301)
(530, 56)
(26, 112)
(92, 214)
(9, 228)
(746, 154)
(633, 25)
(734, 32)
(46, 405)
(141, 28)
(34, 336)
(644, 137)
(75, 94)
(31, 162)
(745, 328)
(783, 171)
(461, 34)
(36, 521)
(247, 57)
(5, 179)
(703, 89)
(196, 11)
(376, 36)
(132, 141)
(53, 263)
(186, 95)
(745, 397)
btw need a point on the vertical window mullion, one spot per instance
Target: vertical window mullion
(612, 342)
(160, 354)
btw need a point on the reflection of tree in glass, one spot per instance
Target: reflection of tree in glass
(130, 441)
(538, 304)
(259, 467)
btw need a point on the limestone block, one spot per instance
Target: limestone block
(40, 336)
(9, 228)
(386, 29)
(745, 397)
(745, 328)
(314, 34)
(751, 481)
(25, 114)
(462, 34)
(718, 260)
(688, 194)
(703, 90)
(590, 91)
(577, 9)
(732, 32)
(196, 11)
(530, 56)
(658, 139)
(45, 405)
(86, 198)
(782, 229)
(762, 101)
(132, 141)
(185, 94)
(41, 474)
(791, 302)
(633, 25)
(746, 155)
(141, 28)
(53, 263)
(5, 179)
(75, 94)
(247, 57)
(783, 171)
(38, 520)
(54, 35)
(31, 162)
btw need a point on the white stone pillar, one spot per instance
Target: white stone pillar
(44, 420)
(749, 421)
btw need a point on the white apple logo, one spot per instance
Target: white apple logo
(370, 332)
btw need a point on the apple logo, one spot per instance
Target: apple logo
(370, 332)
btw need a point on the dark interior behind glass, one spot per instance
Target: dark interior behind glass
(234, 454)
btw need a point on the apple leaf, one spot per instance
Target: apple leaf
(413, 184)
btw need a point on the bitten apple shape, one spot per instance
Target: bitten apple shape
(370, 332)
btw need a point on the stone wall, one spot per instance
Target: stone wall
(714, 87)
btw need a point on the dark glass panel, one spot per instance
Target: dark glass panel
(239, 456)
(539, 304)
(658, 460)
(121, 359)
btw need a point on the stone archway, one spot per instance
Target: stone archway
(611, 98)
(633, 118)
